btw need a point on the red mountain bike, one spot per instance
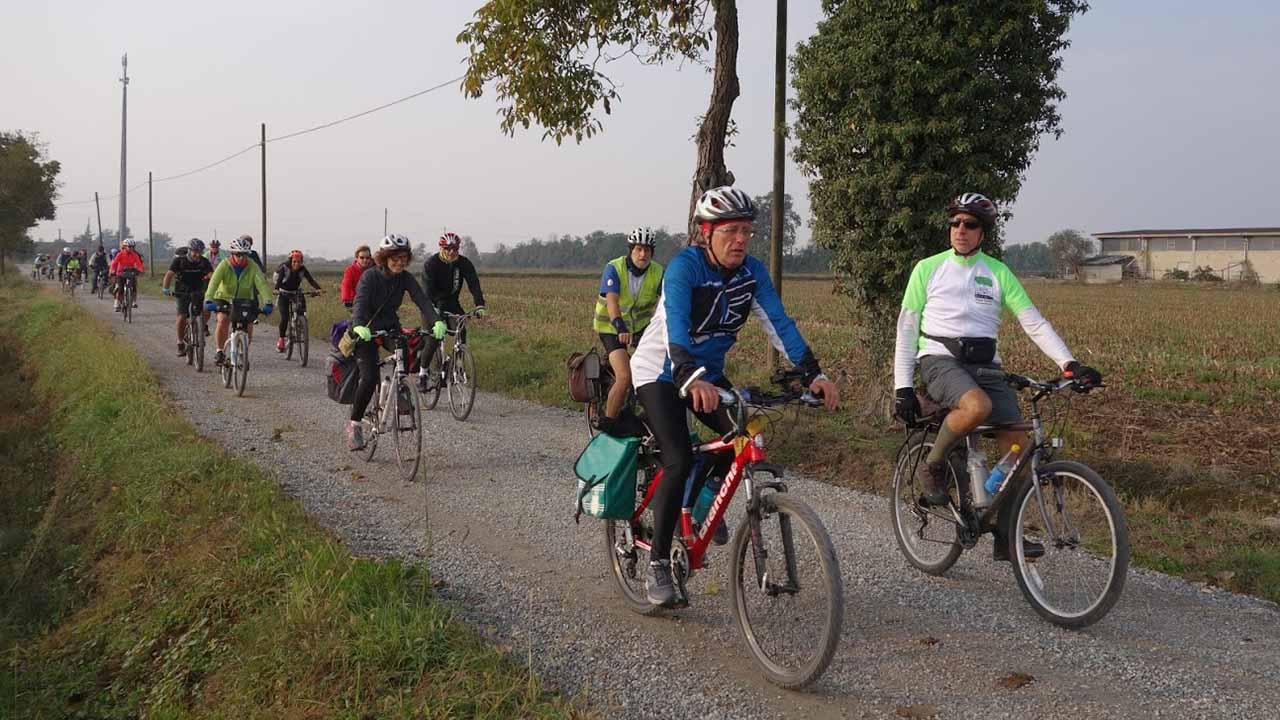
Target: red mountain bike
(784, 578)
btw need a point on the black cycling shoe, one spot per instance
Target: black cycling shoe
(659, 585)
(721, 535)
(219, 358)
(933, 482)
(1000, 549)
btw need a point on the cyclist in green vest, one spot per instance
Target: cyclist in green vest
(629, 290)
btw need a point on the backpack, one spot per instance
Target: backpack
(337, 331)
(341, 377)
(606, 471)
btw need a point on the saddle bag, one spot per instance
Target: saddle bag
(584, 371)
(341, 376)
(606, 471)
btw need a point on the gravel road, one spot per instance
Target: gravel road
(502, 539)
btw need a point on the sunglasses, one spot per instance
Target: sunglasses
(968, 224)
(364, 257)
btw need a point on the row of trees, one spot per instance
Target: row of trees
(28, 189)
(1061, 256)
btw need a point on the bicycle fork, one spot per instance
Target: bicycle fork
(755, 518)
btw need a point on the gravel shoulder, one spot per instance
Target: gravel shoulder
(494, 516)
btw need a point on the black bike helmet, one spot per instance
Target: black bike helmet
(976, 205)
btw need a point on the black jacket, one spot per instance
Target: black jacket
(444, 281)
(378, 297)
(287, 279)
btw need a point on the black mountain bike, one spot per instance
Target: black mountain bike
(194, 337)
(298, 334)
(1063, 505)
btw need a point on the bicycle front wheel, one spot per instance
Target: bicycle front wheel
(406, 428)
(128, 305)
(303, 342)
(1086, 545)
(927, 538)
(189, 341)
(462, 382)
(198, 340)
(226, 368)
(241, 341)
(787, 592)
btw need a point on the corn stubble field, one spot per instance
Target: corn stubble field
(1184, 430)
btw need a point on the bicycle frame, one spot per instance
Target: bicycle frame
(749, 456)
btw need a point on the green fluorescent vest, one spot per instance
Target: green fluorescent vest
(638, 310)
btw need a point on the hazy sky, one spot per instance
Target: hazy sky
(1171, 119)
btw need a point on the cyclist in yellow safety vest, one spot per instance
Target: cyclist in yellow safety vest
(629, 292)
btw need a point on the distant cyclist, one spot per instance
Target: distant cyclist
(708, 291)
(378, 298)
(948, 323)
(127, 258)
(73, 267)
(629, 290)
(99, 264)
(351, 276)
(61, 262)
(444, 274)
(236, 278)
(215, 250)
(191, 272)
(289, 276)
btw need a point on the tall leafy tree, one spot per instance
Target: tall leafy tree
(1032, 258)
(762, 240)
(902, 104)
(544, 59)
(1068, 249)
(28, 189)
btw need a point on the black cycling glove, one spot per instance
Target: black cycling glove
(1084, 374)
(906, 406)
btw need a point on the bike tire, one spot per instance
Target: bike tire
(406, 430)
(127, 310)
(304, 339)
(241, 339)
(372, 422)
(198, 334)
(189, 341)
(910, 521)
(431, 397)
(593, 417)
(817, 648)
(462, 383)
(629, 565)
(290, 335)
(1077, 560)
(226, 368)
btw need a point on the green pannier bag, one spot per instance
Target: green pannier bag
(606, 472)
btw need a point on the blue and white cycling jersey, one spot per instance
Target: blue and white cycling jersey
(699, 316)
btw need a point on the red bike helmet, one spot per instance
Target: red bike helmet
(450, 241)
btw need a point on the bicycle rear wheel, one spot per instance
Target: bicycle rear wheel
(629, 564)
(406, 428)
(462, 382)
(241, 340)
(432, 396)
(1086, 545)
(787, 592)
(927, 537)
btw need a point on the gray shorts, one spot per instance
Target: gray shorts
(946, 379)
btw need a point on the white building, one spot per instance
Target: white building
(1222, 249)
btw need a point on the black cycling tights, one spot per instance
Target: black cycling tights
(366, 354)
(665, 413)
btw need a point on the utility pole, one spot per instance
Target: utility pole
(124, 126)
(384, 222)
(779, 156)
(98, 206)
(151, 238)
(264, 194)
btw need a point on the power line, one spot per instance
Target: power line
(238, 153)
(367, 112)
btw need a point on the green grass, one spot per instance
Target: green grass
(147, 573)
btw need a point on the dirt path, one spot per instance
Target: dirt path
(503, 540)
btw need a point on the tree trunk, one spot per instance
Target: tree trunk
(711, 171)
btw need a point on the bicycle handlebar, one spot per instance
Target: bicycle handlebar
(1022, 382)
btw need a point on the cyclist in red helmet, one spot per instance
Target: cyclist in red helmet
(444, 273)
(289, 276)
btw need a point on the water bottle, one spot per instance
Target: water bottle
(708, 495)
(1001, 471)
(976, 462)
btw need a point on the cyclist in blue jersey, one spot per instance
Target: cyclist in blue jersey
(707, 292)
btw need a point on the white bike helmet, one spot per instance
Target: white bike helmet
(642, 236)
(395, 242)
(242, 244)
(66, 249)
(130, 242)
(724, 203)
